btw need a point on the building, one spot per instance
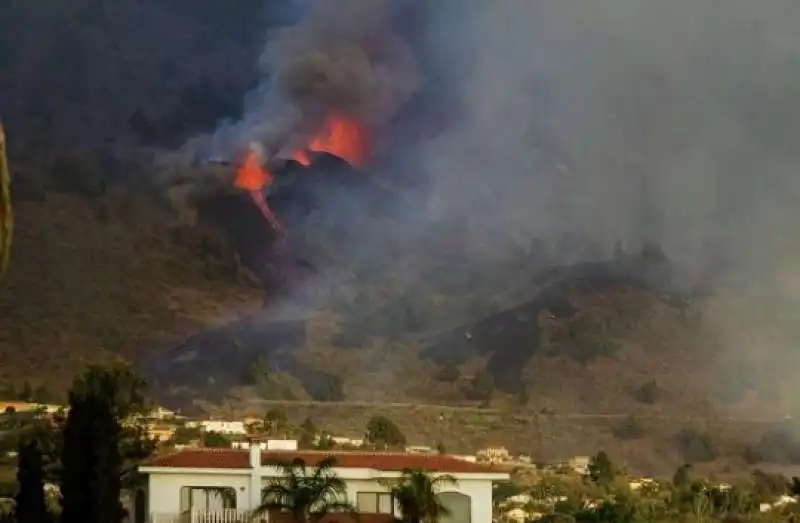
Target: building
(347, 442)
(272, 444)
(222, 427)
(580, 464)
(24, 406)
(161, 413)
(224, 485)
(420, 449)
(494, 455)
(160, 433)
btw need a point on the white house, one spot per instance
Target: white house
(272, 444)
(224, 485)
(222, 427)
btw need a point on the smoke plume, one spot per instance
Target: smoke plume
(672, 122)
(341, 57)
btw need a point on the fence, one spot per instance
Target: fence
(227, 515)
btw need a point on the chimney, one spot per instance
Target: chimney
(255, 452)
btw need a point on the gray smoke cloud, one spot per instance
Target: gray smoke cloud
(341, 57)
(629, 121)
(596, 122)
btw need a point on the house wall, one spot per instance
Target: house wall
(164, 488)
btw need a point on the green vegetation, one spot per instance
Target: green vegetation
(629, 429)
(604, 495)
(383, 434)
(695, 447)
(30, 499)
(417, 495)
(648, 392)
(307, 495)
(91, 454)
(308, 434)
(217, 440)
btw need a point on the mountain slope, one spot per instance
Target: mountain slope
(596, 355)
(91, 279)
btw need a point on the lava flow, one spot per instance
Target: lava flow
(340, 136)
(252, 178)
(274, 263)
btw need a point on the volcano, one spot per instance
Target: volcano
(276, 230)
(310, 214)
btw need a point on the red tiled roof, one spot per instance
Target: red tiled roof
(387, 461)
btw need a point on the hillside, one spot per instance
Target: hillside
(95, 278)
(600, 355)
(465, 258)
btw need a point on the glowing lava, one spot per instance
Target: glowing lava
(252, 178)
(340, 136)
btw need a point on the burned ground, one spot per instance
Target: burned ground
(508, 339)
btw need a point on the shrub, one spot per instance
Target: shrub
(480, 387)
(775, 446)
(694, 446)
(629, 429)
(447, 373)
(648, 392)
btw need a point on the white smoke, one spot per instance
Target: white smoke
(343, 56)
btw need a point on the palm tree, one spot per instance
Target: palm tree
(307, 495)
(416, 494)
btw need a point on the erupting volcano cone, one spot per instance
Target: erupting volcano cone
(340, 136)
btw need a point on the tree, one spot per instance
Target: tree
(482, 386)
(325, 442)
(42, 394)
(91, 464)
(217, 440)
(695, 447)
(275, 421)
(25, 393)
(630, 429)
(108, 467)
(30, 502)
(124, 388)
(383, 433)
(308, 434)
(124, 391)
(184, 435)
(98, 456)
(135, 445)
(682, 478)
(648, 393)
(601, 470)
(448, 373)
(416, 495)
(305, 494)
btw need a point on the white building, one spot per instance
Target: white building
(347, 442)
(272, 444)
(161, 413)
(222, 427)
(224, 485)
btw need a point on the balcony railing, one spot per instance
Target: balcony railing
(228, 515)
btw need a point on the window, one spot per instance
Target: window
(458, 505)
(374, 503)
(207, 499)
